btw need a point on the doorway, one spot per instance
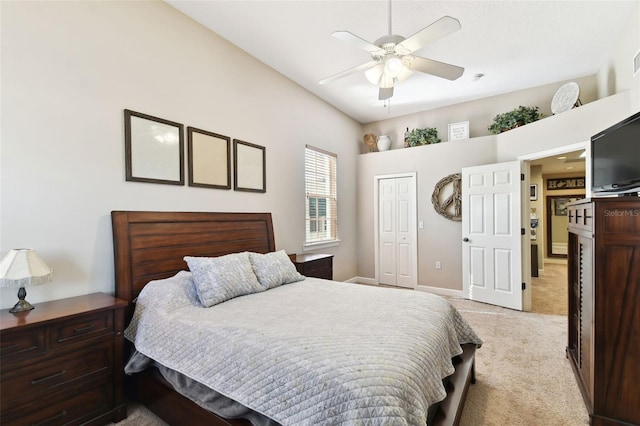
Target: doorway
(396, 230)
(547, 206)
(557, 223)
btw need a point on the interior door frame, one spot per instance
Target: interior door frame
(376, 229)
(548, 223)
(526, 158)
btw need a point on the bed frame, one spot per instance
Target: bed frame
(151, 245)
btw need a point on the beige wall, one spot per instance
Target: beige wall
(441, 239)
(478, 113)
(537, 207)
(559, 226)
(68, 71)
(616, 75)
(70, 68)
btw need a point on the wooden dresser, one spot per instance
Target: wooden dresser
(314, 265)
(604, 307)
(62, 362)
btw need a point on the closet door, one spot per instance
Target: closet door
(397, 232)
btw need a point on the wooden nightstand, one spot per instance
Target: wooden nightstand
(314, 265)
(62, 363)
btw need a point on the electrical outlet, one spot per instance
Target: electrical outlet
(438, 264)
(421, 225)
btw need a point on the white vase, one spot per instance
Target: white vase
(384, 143)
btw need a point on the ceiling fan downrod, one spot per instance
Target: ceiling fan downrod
(390, 33)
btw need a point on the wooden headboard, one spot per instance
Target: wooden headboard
(150, 245)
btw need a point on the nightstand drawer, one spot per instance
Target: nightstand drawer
(314, 265)
(76, 407)
(18, 346)
(319, 268)
(82, 328)
(56, 372)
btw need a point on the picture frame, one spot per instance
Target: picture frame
(560, 206)
(533, 192)
(249, 167)
(209, 159)
(154, 149)
(459, 131)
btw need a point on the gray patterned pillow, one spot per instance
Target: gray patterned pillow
(274, 269)
(222, 278)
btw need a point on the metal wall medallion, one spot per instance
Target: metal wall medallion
(451, 206)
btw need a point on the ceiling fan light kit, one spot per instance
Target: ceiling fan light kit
(392, 60)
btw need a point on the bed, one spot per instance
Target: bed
(149, 247)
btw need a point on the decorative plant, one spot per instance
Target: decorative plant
(516, 118)
(425, 136)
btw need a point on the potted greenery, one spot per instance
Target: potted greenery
(425, 136)
(516, 118)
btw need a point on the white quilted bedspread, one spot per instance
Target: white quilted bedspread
(311, 352)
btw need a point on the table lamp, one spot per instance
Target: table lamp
(21, 268)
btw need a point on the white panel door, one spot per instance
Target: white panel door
(387, 225)
(397, 232)
(491, 231)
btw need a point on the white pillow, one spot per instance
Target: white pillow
(222, 278)
(274, 269)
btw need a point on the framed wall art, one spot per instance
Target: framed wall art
(249, 167)
(565, 183)
(154, 149)
(560, 206)
(458, 131)
(209, 159)
(533, 192)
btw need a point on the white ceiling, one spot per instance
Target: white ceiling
(571, 162)
(516, 44)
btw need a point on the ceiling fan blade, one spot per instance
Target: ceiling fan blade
(404, 74)
(439, 69)
(358, 42)
(385, 93)
(374, 74)
(347, 72)
(440, 28)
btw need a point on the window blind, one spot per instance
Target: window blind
(321, 203)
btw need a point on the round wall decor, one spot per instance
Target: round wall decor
(451, 207)
(567, 97)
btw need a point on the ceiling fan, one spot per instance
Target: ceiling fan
(392, 60)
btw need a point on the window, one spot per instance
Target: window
(321, 203)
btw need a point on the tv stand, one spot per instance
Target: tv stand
(604, 307)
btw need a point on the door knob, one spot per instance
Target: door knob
(465, 239)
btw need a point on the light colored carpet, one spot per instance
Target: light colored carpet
(549, 292)
(523, 376)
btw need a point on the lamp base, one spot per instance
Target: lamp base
(22, 305)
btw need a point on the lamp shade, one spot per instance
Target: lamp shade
(23, 267)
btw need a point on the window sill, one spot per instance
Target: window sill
(320, 245)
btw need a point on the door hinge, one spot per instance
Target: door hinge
(521, 176)
(522, 231)
(524, 286)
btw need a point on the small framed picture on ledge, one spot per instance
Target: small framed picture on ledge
(458, 131)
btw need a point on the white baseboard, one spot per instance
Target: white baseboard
(435, 290)
(362, 280)
(441, 291)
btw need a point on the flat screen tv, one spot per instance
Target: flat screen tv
(615, 158)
